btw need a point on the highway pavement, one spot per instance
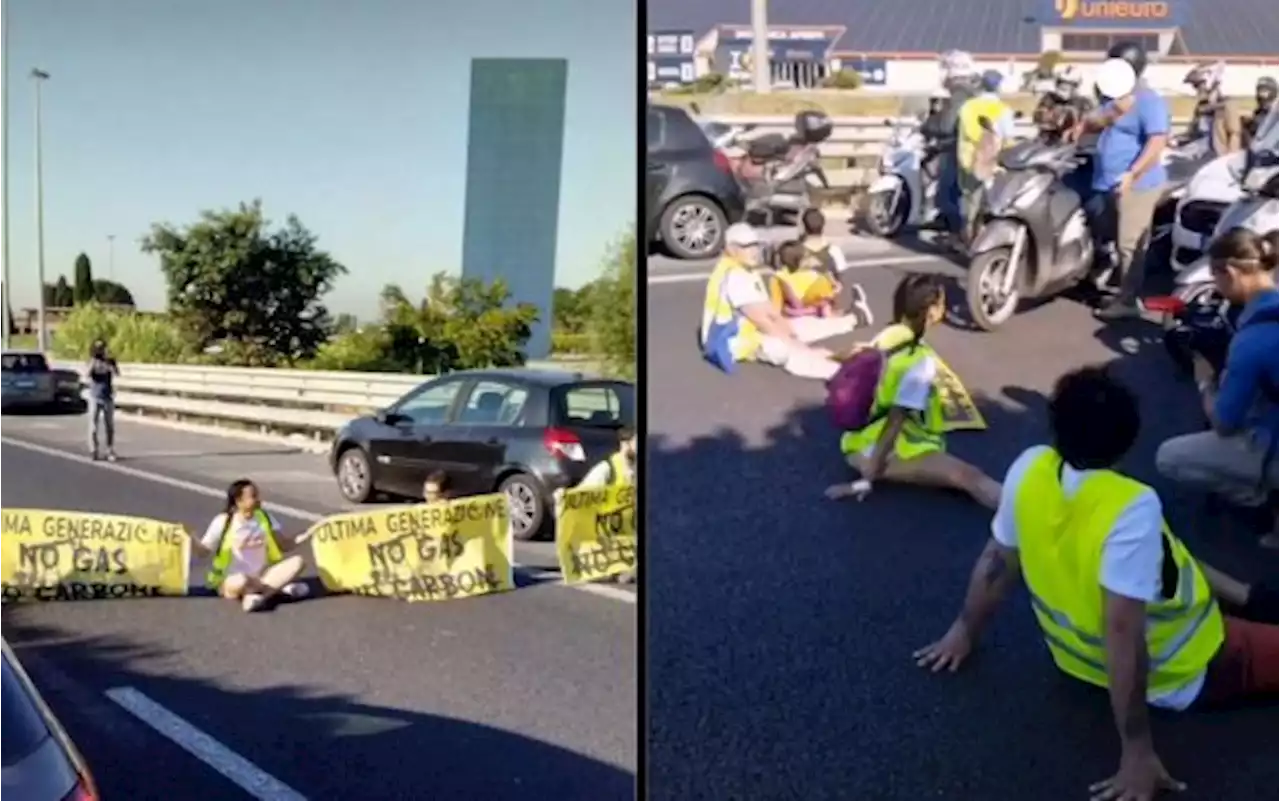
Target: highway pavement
(528, 694)
(780, 625)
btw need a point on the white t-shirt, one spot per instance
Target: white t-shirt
(913, 390)
(745, 288)
(1132, 554)
(598, 476)
(248, 543)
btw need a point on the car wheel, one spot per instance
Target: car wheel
(527, 507)
(692, 227)
(355, 475)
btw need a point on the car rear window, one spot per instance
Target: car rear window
(22, 730)
(25, 363)
(596, 405)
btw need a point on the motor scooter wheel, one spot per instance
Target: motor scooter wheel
(987, 307)
(883, 216)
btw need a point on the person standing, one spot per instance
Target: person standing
(102, 371)
(1133, 127)
(959, 80)
(986, 126)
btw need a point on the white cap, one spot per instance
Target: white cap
(1115, 78)
(741, 235)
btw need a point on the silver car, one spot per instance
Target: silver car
(40, 763)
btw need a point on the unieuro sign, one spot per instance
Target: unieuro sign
(1112, 10)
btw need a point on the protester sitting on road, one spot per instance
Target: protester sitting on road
(1121, 602)
(804, 284)
(740, 324)
(1236, 458)
(437, 487)
(102, 371)
(814, 225)
(248, 550)
(619, 468)
(905, 441)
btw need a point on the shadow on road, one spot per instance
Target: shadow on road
(324, 746)
(781, 626)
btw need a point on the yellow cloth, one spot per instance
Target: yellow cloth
(971, 131)
(716, 308)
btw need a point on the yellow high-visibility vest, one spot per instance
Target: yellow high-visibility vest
(1060, 541)
(222, 556)
(716, 308)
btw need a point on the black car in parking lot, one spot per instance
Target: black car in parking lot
(520, 431)
(691, 193)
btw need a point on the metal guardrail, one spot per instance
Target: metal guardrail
(856, 141)
(310, 402)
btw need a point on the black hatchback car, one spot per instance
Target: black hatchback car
(691, 193)
(520, 431)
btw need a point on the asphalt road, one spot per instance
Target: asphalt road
(780, 625)
(529, 694)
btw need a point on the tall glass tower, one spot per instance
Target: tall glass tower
(515, 146)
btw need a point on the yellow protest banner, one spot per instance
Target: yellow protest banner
(75, 556)
(959, 412)
(427, 552)
(596, 533)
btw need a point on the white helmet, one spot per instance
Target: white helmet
(957, 64)
(1206, 76)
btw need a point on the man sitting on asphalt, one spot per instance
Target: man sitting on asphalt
(1121, 602)
(737, 296)
(1236, 458)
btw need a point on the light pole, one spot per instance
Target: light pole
(4, 176)
(40, 76)
(111, 257)
(763, 78)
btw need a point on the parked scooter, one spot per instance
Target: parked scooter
(905, 193)
(1034, 238)
(779, 172)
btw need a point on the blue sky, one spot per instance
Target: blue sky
(351, 114)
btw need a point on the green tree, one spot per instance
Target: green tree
(59, 295)
(112, 293)
(612, 325)
(345, 323)
(567, 311)
(232, 280)
(84, 280)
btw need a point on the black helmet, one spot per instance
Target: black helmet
(1267, 89)
(1131, 52)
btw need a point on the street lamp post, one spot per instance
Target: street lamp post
(40, 76)
(111, 257)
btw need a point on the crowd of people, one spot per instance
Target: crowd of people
(1121, 601)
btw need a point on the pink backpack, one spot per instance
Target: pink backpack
(851, 392)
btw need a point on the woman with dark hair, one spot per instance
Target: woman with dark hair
(904, 443)
(248, 550)
(101, 371)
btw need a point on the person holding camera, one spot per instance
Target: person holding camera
(1236, 458)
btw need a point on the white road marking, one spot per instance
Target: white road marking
(887, 261)
(602, 590)
(241, 772)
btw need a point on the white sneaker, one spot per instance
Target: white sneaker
(861, 308)
(252, 602)
(295, 590)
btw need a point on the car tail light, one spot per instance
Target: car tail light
(562, 443)
(722, 162)
(83, 791)
(1165, 304)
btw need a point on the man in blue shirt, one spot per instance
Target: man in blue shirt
(1133, 131)
(1237, 458)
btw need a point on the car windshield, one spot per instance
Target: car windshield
(605, 404)
(25, 363)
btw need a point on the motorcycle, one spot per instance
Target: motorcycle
(723, 135)
(778, 172)
(1183, 162)
(906, 190)
(1035, 239)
